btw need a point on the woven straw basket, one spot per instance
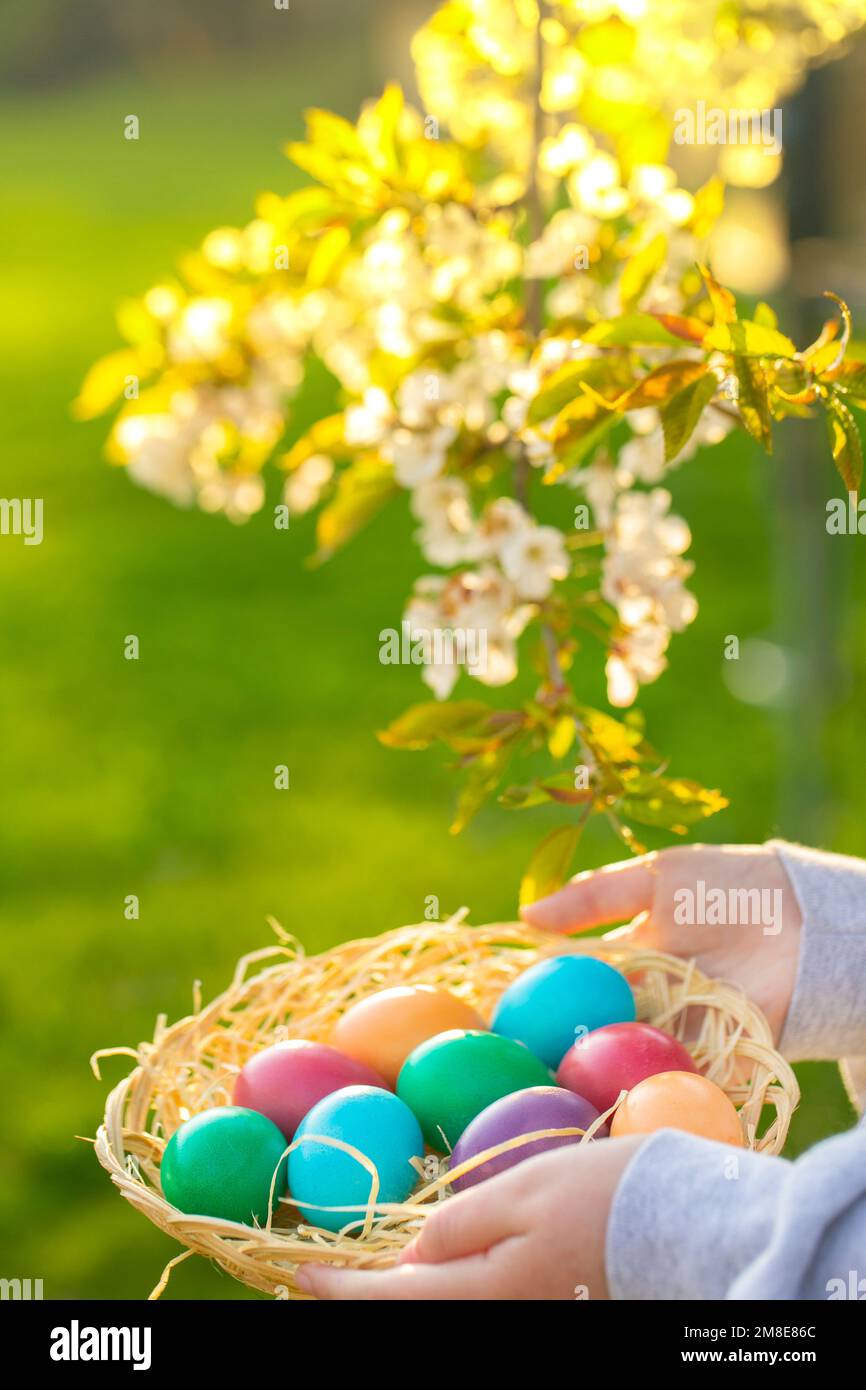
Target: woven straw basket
(192, 1066)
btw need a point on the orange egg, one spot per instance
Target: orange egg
(389, 1025)
(678, 1100)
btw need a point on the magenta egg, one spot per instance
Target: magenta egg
(522, 1112)
(288, 1079)
(618, 1056)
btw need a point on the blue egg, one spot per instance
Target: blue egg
(558, 1000)
(381, 1127)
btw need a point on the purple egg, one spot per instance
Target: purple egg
(523, 1112)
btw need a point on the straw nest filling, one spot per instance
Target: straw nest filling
(191, 1066)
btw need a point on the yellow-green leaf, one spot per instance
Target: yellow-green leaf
(765, 316)
(669, 803)
(611, 739)
(325, 437)
(663, 383)
(845, 443)
(723, 302)
(549, 865)
(107, 379)
(329, 249)
(561, 736)
(420, 725)
(749, 339)
(640, 270)
(362, 490)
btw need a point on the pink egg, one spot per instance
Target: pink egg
(615, 1058)
(288, 1079)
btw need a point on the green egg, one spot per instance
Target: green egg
(222, 1163)
(451, 1078)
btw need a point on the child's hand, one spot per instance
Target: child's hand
(536, 1232)
(759, 954)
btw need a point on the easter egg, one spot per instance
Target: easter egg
(615, 1058)
(222, 1163)
(288, 1079)
(523, 1112)
(552, 1002)
(451, 1078)
(384, 1028)
(678, 1100)
(378, 1125)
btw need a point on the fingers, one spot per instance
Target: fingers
(458, 1279)
(466, 1224)
(456, 1255)
(596, 898)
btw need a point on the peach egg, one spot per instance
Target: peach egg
(678, 1100)
(384, 1028)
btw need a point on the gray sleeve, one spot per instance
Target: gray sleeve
(827, 1017)
(693, 1219)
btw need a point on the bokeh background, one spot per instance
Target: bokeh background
(156, 777)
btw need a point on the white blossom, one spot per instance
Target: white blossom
(533, 558)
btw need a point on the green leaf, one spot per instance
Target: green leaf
(564, 385)
(681, 415)
(845, 443)
(850, 381)
(631, 330)
(363, 489)
(483, 778)
(580, 441)
(559, 788)
(549, 865)
(421, 725)
(669, 803)
(754, 401)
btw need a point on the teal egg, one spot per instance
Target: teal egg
(451, 1078)
(222, 1163)
(560, 999)
(376, 1123)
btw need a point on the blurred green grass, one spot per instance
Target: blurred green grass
(156, 777)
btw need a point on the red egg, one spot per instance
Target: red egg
(288, 1079)
(615, 1058)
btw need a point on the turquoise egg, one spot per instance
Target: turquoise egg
(381, 1127)
(558, 1000)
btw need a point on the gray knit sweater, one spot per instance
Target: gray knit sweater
(687, 1223)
